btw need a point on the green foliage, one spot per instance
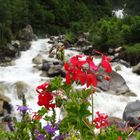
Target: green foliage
(77, 113)
(131, 31)
(133, 49)
(111, 133)
(115, 32)
(52, 16)
(107, 33)
(70, 37)
(55, 83)
(75, 123)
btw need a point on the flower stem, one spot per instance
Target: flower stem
(92, 103)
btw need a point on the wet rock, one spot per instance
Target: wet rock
(21, 89)
(82, 41)
(136, 69)
(39, 67)
(46, 65)
(27, 34)
(53, 71)
(15, 43)
(118, 68)
(110, 50)
(127, 64)
(24, 45)
(38, 59)
(116, 85)
(118, 49)
(44, 74)
(5, 106)
(87, 50)
(11, 51)
(131, 113)
(116, 121)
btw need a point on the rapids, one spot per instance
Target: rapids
(24, 71)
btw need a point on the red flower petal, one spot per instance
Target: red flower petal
(42, 87)
(74, 60)
(68, 79)
(107, 78)
(93, 66)
(66, 66)
(106, 66)
(83, 78)
(45, 99)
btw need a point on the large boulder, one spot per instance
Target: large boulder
(116, 85)
(136, 69)
(55, 71)
(46, 65)
(5, 106)
(21, 89)
(38, 59)
(82, 41)
(27, 34)
(52, 69)
(10, 51)
(24, 45)
(131, 113)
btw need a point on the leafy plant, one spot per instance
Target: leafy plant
(77, 121)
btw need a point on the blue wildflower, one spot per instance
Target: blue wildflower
(23, 108)
(38, 135)
(49, 129)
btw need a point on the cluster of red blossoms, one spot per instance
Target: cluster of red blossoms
(45, 97)
(101, 120)
(76, 69)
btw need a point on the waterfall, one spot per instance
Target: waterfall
(24, 71)
(118, 13)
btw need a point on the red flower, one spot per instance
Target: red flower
(68, 79)
(83, 78)
(89, 60)
(107, 78)
(119, 138)
(76, 70)
(93, 66)
(45, 99)
(66, 66)
(42, 87)
(91, 80)
(74, 60)
(105, 64)
(36, 116)
(101, 120)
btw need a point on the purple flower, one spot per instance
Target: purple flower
(49, 129)
(61, 137)
(38, 135)
(23, 108)
(56, 126)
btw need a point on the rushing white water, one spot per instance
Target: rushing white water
(119, 13)
(23, 71)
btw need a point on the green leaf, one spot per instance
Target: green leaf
(56, 83)
(42, 111)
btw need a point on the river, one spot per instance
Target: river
(24, 71)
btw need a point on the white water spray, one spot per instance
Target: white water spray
(23, 71)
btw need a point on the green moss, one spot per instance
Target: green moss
(70, 37)
(133, 49)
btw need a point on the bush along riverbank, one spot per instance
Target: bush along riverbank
(76, 119)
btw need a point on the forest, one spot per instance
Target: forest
(73, 17)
